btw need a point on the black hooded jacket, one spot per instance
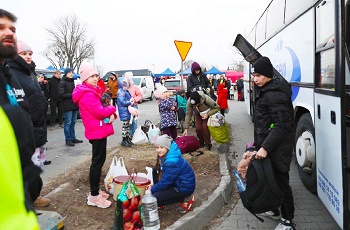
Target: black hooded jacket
(37, 102)
(22, 127)
(274, 127)
(65, 90)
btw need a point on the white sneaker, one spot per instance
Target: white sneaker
(98, 201)
(285, 225)
(270, 214)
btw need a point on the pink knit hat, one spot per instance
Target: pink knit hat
(22, 47)
(86, 70)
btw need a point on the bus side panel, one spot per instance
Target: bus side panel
(328, 144)
(292, 53)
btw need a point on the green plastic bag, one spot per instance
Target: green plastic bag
(220, 134)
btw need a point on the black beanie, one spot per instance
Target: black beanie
(194, 98)
(264, 67)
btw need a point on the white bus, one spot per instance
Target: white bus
(307, 42)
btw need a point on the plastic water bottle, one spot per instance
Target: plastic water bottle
(150, 217)
(240, 182)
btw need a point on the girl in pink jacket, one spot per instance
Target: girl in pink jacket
(87, 97)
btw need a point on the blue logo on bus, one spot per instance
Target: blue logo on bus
(296, 74)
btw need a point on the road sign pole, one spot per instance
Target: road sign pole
(182, 73)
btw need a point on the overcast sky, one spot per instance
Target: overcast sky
(135, 34)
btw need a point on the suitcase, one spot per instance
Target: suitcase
(187, 143)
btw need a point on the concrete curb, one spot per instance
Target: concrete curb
(201, 216)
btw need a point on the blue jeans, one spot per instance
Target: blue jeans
(70, 118)
(133, 126)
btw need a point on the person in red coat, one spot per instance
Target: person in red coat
(101, 85)
(222, 97)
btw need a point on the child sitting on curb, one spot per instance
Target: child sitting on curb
(173, 177)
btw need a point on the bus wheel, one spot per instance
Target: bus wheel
(305, 151)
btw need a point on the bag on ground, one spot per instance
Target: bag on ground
(139, 137)
(146, 125)
(262, 193)
(220, 134)
(187, 143)
(153, 133)
(128, 207)
(117, 168)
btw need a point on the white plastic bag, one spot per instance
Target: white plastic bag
(216, 119)
(117, 168)
(153, 134)
(139, 137)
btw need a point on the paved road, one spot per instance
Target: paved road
(310, 213)
(64, 157)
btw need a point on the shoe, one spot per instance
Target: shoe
(98, 201)
(77, 141)
(47, 162)
(125, 143)
(41, 202)
(285, 225)
(186, 205)
(208, 146)
(201, 145)
(128, 140)
(61, 126)
(270, 214)
(101, 193)
(70, 143)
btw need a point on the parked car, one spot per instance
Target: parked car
(47, 73)
(146, 85)
(174, 84)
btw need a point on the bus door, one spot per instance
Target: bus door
(327, 107)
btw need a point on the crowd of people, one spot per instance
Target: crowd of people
(24, 103)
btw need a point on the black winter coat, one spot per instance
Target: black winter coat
(53, 88)
(65, 90)
(274, 127)
(37, 102)
(194, 81)
(22, 127)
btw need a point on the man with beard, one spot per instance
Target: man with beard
(15, 125)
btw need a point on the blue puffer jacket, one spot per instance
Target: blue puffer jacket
(123, 101)
(176, 172)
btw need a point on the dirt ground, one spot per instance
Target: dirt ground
(70, 201)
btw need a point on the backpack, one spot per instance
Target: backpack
(262, 192)
(187, 144)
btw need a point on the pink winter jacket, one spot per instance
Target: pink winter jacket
(135, 92)
(92, 112)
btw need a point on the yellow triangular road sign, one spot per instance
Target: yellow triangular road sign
(183, 48)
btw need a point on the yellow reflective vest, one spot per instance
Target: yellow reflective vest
(13, 212)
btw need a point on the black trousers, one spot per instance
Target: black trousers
(168, 196)
(34, 188)
(99, 149)
(287, 207)
(56, 105)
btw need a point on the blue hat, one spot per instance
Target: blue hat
(67, 70)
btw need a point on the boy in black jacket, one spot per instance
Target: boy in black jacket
(274, 132)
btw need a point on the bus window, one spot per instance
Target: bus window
(327, 65)
(261, 31)
(324, 21)
(275, 18)
(295, 7)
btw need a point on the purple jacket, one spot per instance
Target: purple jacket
(92, 112)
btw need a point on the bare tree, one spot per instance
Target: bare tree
(99, 70)
(69, 45)
(187, 64)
